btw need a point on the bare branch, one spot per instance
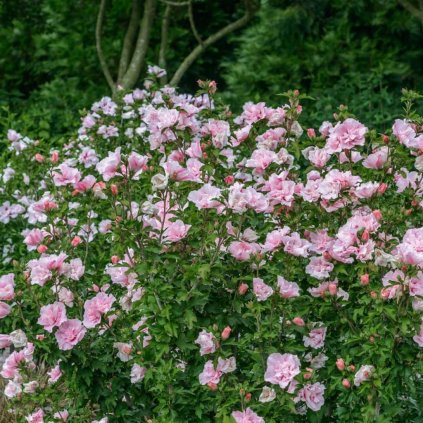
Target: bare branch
(100, 54)
(175, 3)
(128, 43)
(164, 40)
(251, 8)
(134, 69)
(418, 13)
(192, 23)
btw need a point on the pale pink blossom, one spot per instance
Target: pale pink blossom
(247, 416)
(137, 373)
(261, 290)
(52, 315)
(312, 395)
(207, 342)
(281, 369)
(287, 289)
(70, 333)
(316, 338)
(96, 307)
(345, 136)
(363, 374)
(7, 287)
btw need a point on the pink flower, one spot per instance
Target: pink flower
(137, 164)
(346, 135)
(5, 341)
(319, 268)
(281, 369)
(404, 132)
(377, 159)
(109, 166)
(364, 373)
(207, 342)
(410, 251)
(261, 290)
(67, 176)
(242, 250)
(70, 333)
(137, 373)
(52, 315)
(176, 231)
(287, 289)
(316, 338)
(419, 338)
(416, 285)
(247, 416)
(124, 350)
(209, 374)
(7, 287)
(5, 309)
(62, 416)
(95, 308)
(37, 417)
(54, 374)
(312, 394)
(33, 238)
(261, 159)
(317, 156)
(205, 197)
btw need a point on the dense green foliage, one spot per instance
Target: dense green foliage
(357, 52)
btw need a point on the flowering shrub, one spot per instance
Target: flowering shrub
(175, 263)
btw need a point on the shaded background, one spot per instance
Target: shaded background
(356, 52)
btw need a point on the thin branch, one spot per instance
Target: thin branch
(418, 13)
(134, 69)
(164, 40)
(175, 3)
(251, 7)
(192, 23)
(100, 54)
(128, 43)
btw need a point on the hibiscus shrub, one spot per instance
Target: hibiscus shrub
(176, 263)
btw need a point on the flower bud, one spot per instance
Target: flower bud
(298, 321)
(114, 189)
(242, 289)
(340, 364)
(377, 214)
(373, 294)
(382, 188)
(42, 248)
(226, 333)
(212, 386)
(76, 241)
(364, 279)
(311, 133)
(346, 384)
(229, 180)
(54, 157)
(333, 288)
(114, 259)
(39, 158)
(248, 396)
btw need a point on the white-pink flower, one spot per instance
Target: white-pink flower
(70, 333)
(281, 369)
(207, 342)
(312, 395)
(7, 287)
(247, 416)
(52, 315)
(261, 290)
(288, 289)
(316, 338)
